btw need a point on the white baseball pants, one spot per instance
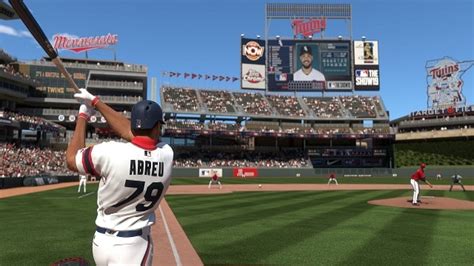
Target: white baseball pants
(82, 182)
(416, 190)
(109, 249)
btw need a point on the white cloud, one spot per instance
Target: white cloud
(72, 36)
(26, 33)
(13, 32)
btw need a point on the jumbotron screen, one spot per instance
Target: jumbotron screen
(309, 65)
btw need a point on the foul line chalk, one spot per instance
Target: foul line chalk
(85, 195)
(170, 238)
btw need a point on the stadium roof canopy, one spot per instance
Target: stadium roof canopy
(7, 12)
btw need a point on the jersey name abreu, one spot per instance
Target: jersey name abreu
(141, 167)
(134, 179)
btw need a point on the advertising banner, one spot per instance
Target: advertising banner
(366, 77)
(208, 172)
(245, 172)
(252, 64)
(366, 53)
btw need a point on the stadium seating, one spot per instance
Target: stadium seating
(253, 104)
(454, 152)
(31, 161)
(324, 107)
(181, 99)
(286, 105)
(359, 106)
(176, 99)
(290, 159)
(218, 101)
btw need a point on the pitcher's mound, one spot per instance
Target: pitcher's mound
(437, 203)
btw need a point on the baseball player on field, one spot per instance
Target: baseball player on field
(456, 179)
(332, 177)
(214, 180)
(419, 175)
(82, 182)
(134, 178)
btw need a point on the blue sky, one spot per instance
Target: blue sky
(204, 37)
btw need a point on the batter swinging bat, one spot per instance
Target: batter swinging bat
(25, 15)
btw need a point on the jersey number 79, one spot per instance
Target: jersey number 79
(149, 194)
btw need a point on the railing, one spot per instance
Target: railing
(115, 84)
(126, 67)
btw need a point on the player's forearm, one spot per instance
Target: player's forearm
(117, 121)
(77, 142)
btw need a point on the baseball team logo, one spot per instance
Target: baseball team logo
(253, 51)
(253, 76)
(445, 83)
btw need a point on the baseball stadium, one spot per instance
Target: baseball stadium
(296, 160)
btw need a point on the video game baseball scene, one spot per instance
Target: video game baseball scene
(239, 132)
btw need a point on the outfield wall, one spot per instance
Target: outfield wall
(324, 172)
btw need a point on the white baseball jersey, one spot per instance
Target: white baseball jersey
(83, 177)
(313, 75)
(135, 177)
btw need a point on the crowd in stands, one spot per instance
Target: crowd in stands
(253, 103)
(184, 124)
(218, 126)
(324, 107)
(218, 101)
(33, 121)
(359, 106)
(8, 69)
(274, 127)
(21, 161)
(181, 99)
(286, 105)
(242, 159)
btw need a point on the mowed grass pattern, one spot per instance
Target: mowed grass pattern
(329, 228)
(306, 227)
(40, 228)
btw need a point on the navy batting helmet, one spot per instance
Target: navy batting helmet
(145, 115)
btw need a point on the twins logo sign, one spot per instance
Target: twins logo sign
(445, 83)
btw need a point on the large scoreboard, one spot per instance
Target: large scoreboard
(309, 65)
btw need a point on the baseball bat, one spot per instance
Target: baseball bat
(25, 15)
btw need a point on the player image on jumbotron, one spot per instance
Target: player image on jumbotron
(307, 72)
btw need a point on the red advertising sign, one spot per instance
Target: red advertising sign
(245, 172)
(308, 27)
(83, 43)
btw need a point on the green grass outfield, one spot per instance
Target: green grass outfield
(306, 227)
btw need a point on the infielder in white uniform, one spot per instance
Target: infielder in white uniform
(134, 178)
(82, 182)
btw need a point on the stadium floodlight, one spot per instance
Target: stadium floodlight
(279, 41)
(339, 37)
(363, 38)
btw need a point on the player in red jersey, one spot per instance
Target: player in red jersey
(215, 180)
(332, 177)
(419, 175)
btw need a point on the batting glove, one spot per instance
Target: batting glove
(85, 97)
(86, 111)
